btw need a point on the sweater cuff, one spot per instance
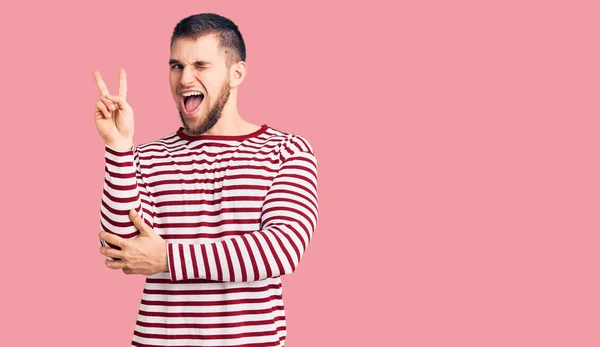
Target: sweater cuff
(117, 152)
(119, 161)
(170, 262)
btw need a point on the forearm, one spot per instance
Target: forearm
(123, 190)
(255, 256)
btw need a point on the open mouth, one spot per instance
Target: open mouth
(191, 102)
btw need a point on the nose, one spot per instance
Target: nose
(187, 76)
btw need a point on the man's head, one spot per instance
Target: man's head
(207, 57)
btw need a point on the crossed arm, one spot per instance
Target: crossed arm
(288, 220)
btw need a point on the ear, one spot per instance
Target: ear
(237, 73)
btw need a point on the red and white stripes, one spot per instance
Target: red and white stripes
(237, 212)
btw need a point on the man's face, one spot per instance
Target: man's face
(198, 66)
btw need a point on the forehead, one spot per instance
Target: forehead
(205, 48)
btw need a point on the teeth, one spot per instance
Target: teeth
(191, 93)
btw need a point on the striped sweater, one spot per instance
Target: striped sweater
(237, 212)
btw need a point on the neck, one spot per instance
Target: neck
(230, 122)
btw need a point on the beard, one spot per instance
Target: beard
(214, 113)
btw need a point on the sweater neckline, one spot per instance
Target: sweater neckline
(185, 136)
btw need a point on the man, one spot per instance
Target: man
(213, 213)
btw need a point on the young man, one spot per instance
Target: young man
(213, 213)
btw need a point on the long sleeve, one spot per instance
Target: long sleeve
(124, 189)
(288, 219)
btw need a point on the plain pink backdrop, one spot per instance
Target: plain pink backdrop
(457, 145)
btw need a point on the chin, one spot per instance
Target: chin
(192, 122)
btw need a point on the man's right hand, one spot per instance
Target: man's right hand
(113, 115)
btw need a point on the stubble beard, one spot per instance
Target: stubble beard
(213, 114)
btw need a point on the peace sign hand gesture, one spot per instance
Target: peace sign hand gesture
(113, 115)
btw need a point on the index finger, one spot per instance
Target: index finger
(100, 82)
(122, 83)
(112, 239)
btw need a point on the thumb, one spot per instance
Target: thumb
(138, 222)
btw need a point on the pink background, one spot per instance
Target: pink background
(458, 165)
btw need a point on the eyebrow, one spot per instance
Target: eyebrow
(199, 62)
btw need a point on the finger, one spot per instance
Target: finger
(100, 106)
(100, 82)
(107, 100)
(114, 264)
(112, 238)
(119, 101)
(127, 271)
(122, 83)
(138, 221)
(111, 252)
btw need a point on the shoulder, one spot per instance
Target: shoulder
(289, 143)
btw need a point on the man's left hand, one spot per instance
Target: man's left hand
(144, 255)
